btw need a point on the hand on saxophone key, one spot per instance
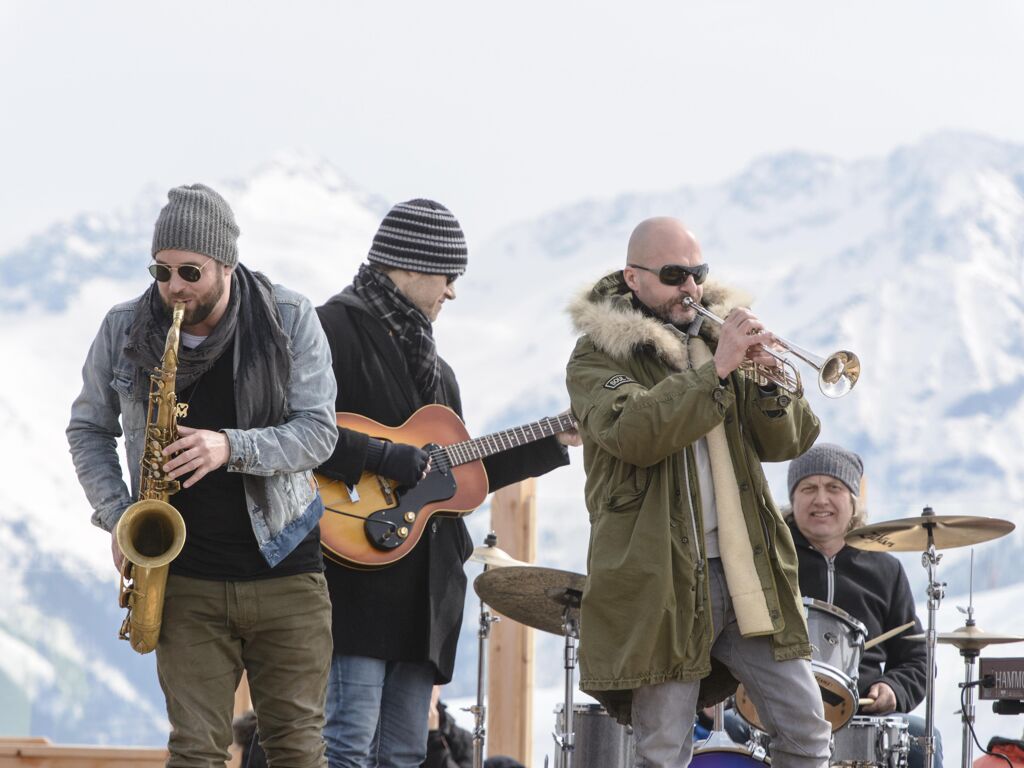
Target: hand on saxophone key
(199, 451)
(115, 551)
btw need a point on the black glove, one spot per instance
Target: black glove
(400, 462)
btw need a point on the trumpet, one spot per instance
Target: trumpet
(837, 373)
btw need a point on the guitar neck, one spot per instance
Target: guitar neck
(488, 445)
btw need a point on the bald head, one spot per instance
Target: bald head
(661, 240)
(654, 244)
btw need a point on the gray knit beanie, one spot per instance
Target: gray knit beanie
(420, 236)
(827, 459)
(198, 220)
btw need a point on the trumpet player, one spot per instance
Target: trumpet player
(692, 573)
(255, 414)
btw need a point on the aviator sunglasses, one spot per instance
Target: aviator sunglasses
(676, 274)
(190, 273)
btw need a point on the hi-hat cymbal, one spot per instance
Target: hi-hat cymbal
(536, 597)
(910, 534)
(493, 557)
(968, 638)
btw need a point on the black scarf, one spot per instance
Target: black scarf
(407, 323)
(252, 320)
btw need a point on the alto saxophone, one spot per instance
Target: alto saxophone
(151, 532)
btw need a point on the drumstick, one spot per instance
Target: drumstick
(886, 635)
(864, 702)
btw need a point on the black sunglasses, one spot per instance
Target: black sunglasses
(190, 273)
(676, 274)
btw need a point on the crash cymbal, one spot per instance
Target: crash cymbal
(536, 597)
(493, 557)
(968, 638)
(910, 534)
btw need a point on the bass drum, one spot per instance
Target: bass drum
(599, 741)
(727, 757)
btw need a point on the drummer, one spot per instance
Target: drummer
(824, 487)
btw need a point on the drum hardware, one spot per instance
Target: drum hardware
(479, 710)
(933, 532)
(549, 600)
(969, 640)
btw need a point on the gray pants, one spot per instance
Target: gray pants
(784, 692)
(279, 630)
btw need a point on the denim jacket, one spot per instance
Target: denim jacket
(277, 461)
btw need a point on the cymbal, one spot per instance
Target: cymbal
(493, 557)
(910, 534)
(534, 596)
(968, 638)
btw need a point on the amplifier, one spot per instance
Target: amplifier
(1008, 677)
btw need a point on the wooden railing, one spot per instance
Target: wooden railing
(40, 753)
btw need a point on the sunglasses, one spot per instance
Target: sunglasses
(676, 274)
(190, 273)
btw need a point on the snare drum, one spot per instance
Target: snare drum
(837, 641)
(872, 742)
(600, 742)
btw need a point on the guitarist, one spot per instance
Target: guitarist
(396, 628)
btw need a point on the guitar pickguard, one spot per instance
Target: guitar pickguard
(387, 529)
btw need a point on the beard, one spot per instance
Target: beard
(202, 305)
(674, 311)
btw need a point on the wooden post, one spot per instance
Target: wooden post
(510, 647)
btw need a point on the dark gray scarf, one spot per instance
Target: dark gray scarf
(252, 320)
(409, 325)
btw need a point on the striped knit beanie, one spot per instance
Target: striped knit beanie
(198, 220)
(420, 236)
(827, 459)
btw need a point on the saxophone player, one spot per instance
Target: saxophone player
(255, 414)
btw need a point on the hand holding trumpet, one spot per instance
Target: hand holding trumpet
(742, 338)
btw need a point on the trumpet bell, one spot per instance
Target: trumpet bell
(838, 373)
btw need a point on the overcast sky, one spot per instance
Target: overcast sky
(502, 111)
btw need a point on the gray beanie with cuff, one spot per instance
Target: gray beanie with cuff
(827, 459)
(198, 220)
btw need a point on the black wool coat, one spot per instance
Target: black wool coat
(873, 588)
(410, 610)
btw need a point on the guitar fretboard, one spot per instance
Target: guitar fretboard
(481, 447)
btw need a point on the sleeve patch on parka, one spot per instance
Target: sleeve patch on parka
(617, 381)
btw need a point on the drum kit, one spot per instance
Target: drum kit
(585, 735)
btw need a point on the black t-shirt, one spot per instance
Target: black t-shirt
(219, 542)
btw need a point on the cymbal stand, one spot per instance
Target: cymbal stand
(479, 710)
(969, 654)
(566, 740)
(936, 591)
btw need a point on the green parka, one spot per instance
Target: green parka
(645, 617)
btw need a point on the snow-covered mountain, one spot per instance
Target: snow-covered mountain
(914, 260)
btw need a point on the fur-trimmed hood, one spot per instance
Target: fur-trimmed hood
(605, 313)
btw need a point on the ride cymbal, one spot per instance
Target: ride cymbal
(910, 534)
(493, 557)
(968, 638)
(534, 596)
